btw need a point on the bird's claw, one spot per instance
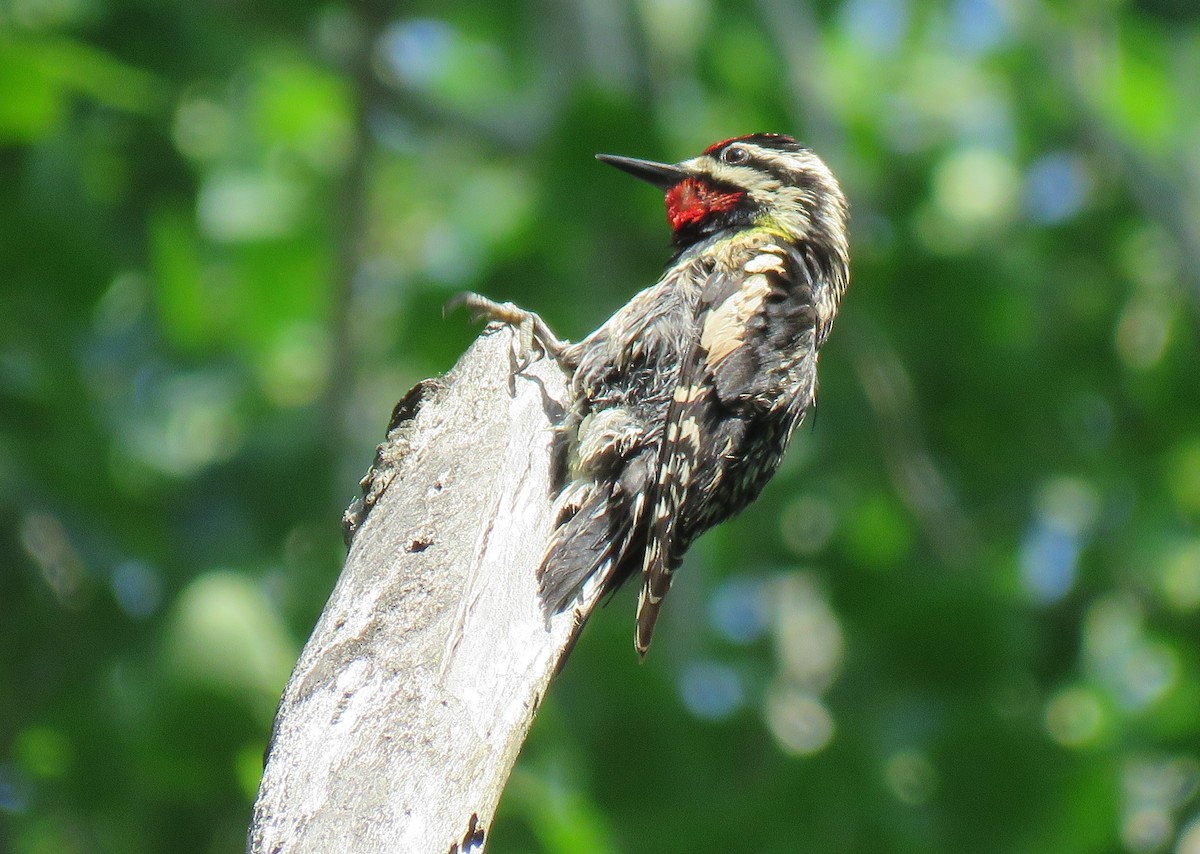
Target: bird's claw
(530, 330)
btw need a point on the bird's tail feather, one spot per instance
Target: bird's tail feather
(583, 551)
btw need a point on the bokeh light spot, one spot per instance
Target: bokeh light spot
(1143, 332)
(137, 588)
(710, 690)
(1153, 789)
(807, 524)
(13, 795)
(1189, 838)
(495, 204)
(190, 422)
(1057, 186)
(1180, 577)
(879, 26)
(1074, 717)
(1137, 671)
(1048, 558)
(238, 206)
(1146, 829)
(201, 128)
(798, 720)
(911, 777)
(675, 27)
(296, 367)
(740, 610)
(1049, 552)
(418, 51)
(1150, 671)
(448, 65)
(978, 26)
(225, 635)
(975, 186)
(449, 254)
(808, 636)
(46, 541)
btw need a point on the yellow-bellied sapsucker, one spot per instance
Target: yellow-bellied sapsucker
(684, 401)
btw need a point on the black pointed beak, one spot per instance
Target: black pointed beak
(662, 175)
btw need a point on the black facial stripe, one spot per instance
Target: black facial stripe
(742, 216)
(779, 173)
(776, 141)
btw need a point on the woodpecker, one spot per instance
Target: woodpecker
(685, 400)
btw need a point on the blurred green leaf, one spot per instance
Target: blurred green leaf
(185, 309)
(31, 103)
(226, 235)
(564, 821)
(305, 109)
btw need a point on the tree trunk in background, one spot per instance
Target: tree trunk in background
(410, 702)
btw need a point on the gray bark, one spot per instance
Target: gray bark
(410, 702)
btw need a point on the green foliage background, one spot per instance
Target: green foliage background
(962, 618)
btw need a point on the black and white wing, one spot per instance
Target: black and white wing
(742, 387)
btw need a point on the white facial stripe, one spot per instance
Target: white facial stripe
(739, 176)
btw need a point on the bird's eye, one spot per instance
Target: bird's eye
(734, 155)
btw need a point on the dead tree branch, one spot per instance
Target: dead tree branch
(411, 700)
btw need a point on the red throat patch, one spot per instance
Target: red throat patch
(692, 201)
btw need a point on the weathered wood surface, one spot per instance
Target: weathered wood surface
(410, 702)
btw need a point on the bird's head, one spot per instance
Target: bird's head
(762, 180)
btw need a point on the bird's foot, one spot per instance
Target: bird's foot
(530, 328)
